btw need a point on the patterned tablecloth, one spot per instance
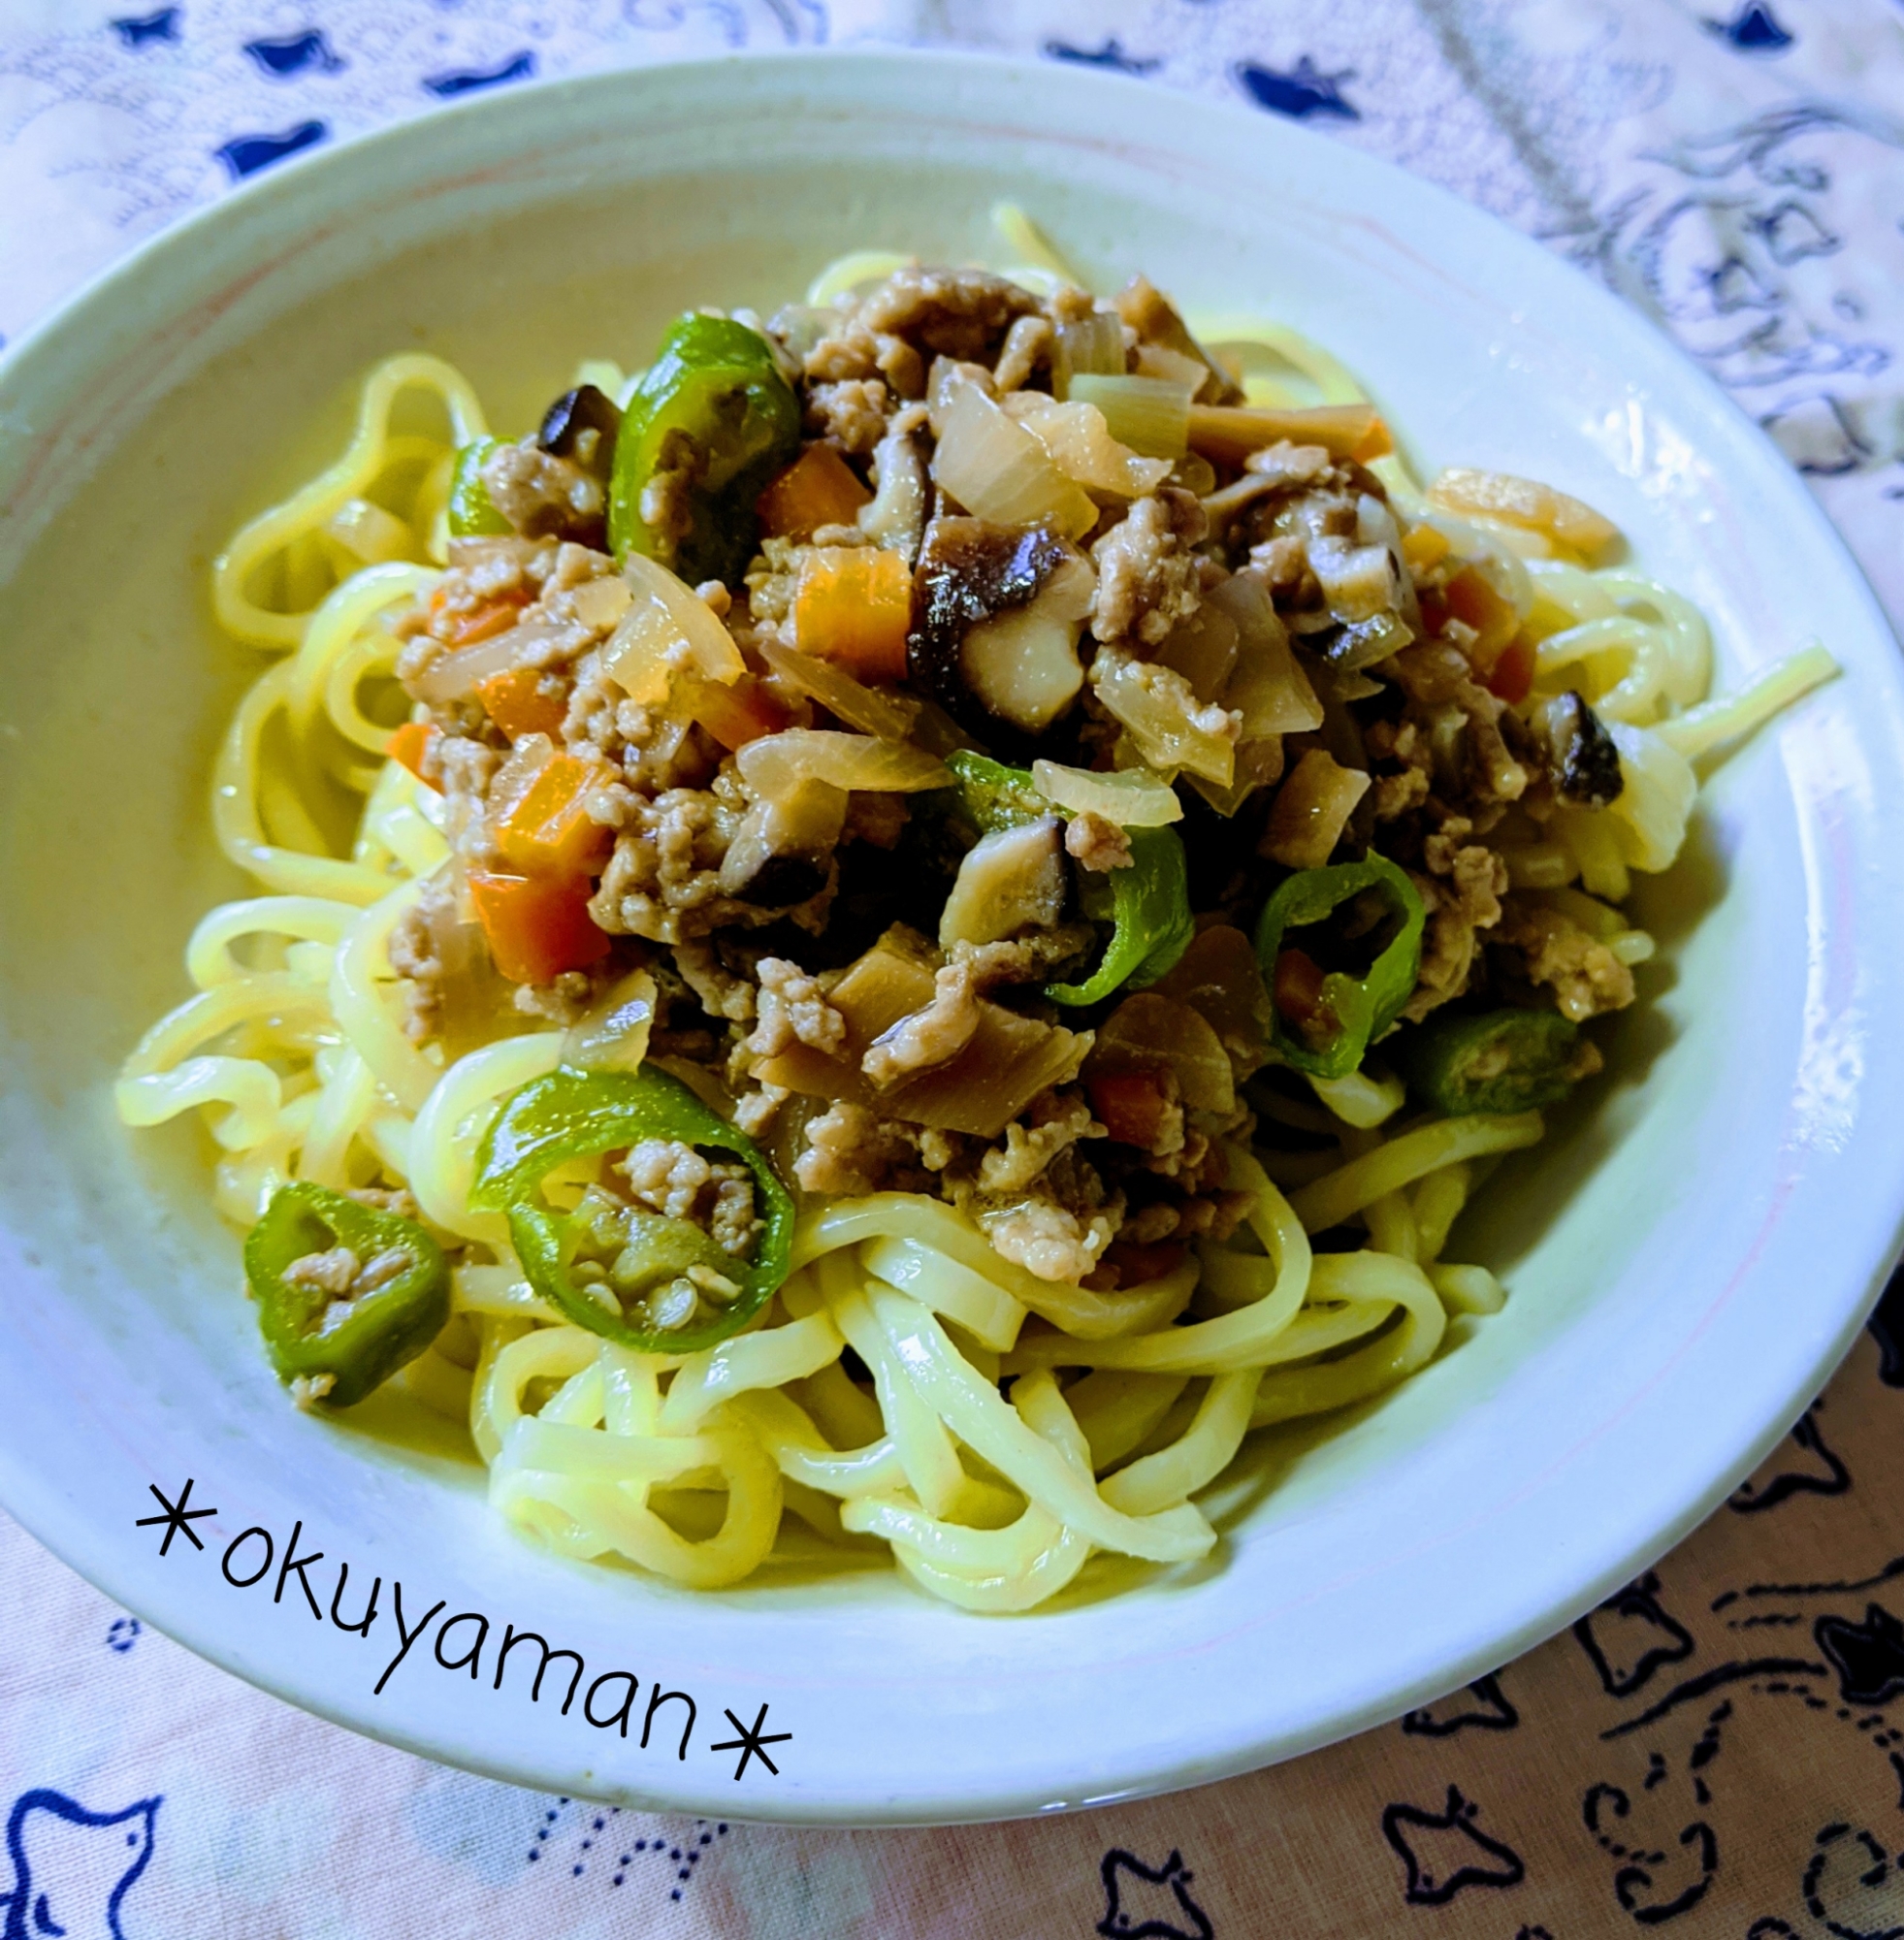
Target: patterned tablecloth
(1720, 1749)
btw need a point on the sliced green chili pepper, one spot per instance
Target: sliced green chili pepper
(1502, 1062)
(604, 1267)
(1324, 1020)
(713, 412)
(357, 1342)
(1148, 904)
(473, 513)
(996, 797)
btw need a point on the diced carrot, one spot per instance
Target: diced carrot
(1130, 1105)
(1473, 599)
(549, 832)
(817, 489)
(537, 929)
(1298, 992)
(853, 605)
(1422, 546)
(409, 745)
(734, 715)
(1512, 678)
(497, 616)
(516, 702)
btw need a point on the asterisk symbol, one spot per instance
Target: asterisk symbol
(752, 1743)
(178, 1518)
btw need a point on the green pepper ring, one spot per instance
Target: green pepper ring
(706, 365)
(1436, 1055)
(570, 1113)
(389, 1326)
(471, 511)
(1366, 1007)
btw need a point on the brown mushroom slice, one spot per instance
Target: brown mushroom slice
(1579, 752)
(782, 850)
(998, 616)
(1005, 1063)
(1011, 880)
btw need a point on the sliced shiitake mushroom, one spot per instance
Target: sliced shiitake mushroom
(997, 617)
(581, 426)
(1579, 753)
(782, 850)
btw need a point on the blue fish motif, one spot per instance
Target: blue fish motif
(295, 53)
(1110, 55)
(71, 1868)
(1754, 29)
(466, 81)
(1303, 91)
(145, 28)
(245, 154)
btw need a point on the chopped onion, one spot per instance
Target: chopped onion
(613, 1035)
(776, 763)
(517, 775)
(1149, 415)
(889, 716)
(1173, 366)
(1082, 447)
(668, 627)
(1259, 762)
(1090, 346)
(1148, 1030)
(1364, 642)
(997, 471)
(457, 676)
(601, 603)
(1313, 808)
(1168, 724)
(1203, 649)
(1132, 798)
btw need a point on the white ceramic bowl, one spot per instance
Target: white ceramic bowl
(1688, 1256)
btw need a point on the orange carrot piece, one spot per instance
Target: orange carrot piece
(734, 715)
(1422, 547)
(487, 621)
(1130, 1105)
(1473, 599)
(537, 929)
(409, 745)
(1512, 678)
(549, 832)
(516, 701)
(817, 489)
(853, 605)
(1298, 989)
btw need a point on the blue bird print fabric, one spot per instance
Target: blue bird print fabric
(1716, 1752)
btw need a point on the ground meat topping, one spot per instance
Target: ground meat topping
(1584, 973)
(792, 1009)
(1096, 844)
(666, 1177)
(852, 412)
(1147, 575)
(542, 496)
(852, 1151)
(931, 1036)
